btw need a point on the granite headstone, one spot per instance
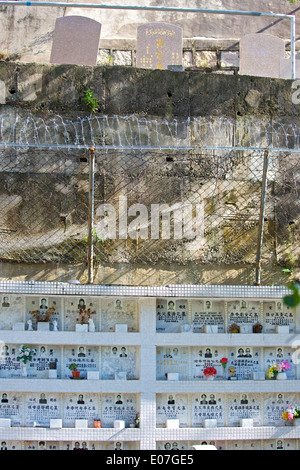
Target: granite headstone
(159, 45)
(260, 55)
(286, 68)
(75, 41)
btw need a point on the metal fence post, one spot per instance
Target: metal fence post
(91, 217)
(261, 218)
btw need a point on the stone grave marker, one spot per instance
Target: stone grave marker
(75, 41)
(158, 46)
(286, 68)
(260, 55)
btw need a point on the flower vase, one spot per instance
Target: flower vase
(281, 376)
(23, 369)
(210, 377)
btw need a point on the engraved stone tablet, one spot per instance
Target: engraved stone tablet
(171, 315)
(260, 55)
(75, 41)
(158, 46)
(172, 407)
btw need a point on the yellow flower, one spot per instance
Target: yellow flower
(285, 415)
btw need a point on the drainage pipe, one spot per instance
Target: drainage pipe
(261, 219)
(91, 217)
(171, 9)
(142, 147)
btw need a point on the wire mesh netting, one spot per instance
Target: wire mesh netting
(161, 195)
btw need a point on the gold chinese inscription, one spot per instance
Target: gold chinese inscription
(160, 49)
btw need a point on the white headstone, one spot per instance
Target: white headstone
(172, 423)
(81, 423)
(43, 326)
(75, 41)
(81, 328)
(91, 325)
(92, 375)
(282, 329)
(260, 55)
(246, 423)
(173, 376)
(119, 424)
(5, 423)
(55, 423)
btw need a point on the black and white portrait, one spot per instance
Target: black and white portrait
(80, 400)
(123, 352)
(81, 351)
(42, 399)
(4, 398)
(244, 399)
(81, 304)
(5, 301)
(119, 400)
(43, 303)
(171, 400)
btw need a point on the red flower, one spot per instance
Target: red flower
(224, 360)
(209, 371)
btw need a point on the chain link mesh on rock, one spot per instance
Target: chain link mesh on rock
(44, 190)
(44, 205)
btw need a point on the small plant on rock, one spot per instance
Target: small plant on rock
(91, 102)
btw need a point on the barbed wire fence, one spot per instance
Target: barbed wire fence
(215, 165)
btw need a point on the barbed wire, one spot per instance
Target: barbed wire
(133, 132)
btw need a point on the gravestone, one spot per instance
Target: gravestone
(206, 313)
(75, 41)
(118, 407)
(11, 307)
(260, 55)
(172, 360)
(172, 406)
(286, 68)
(40, 408)
(158, 46)
(207, 406)
(171, 315)
(278, 314)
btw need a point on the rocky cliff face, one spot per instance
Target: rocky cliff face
(189, 141)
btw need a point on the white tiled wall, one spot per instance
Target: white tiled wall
(148, 393)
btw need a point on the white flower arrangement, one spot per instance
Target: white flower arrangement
(25, 353)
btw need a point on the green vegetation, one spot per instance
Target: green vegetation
(91, 102)
(294, 299)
